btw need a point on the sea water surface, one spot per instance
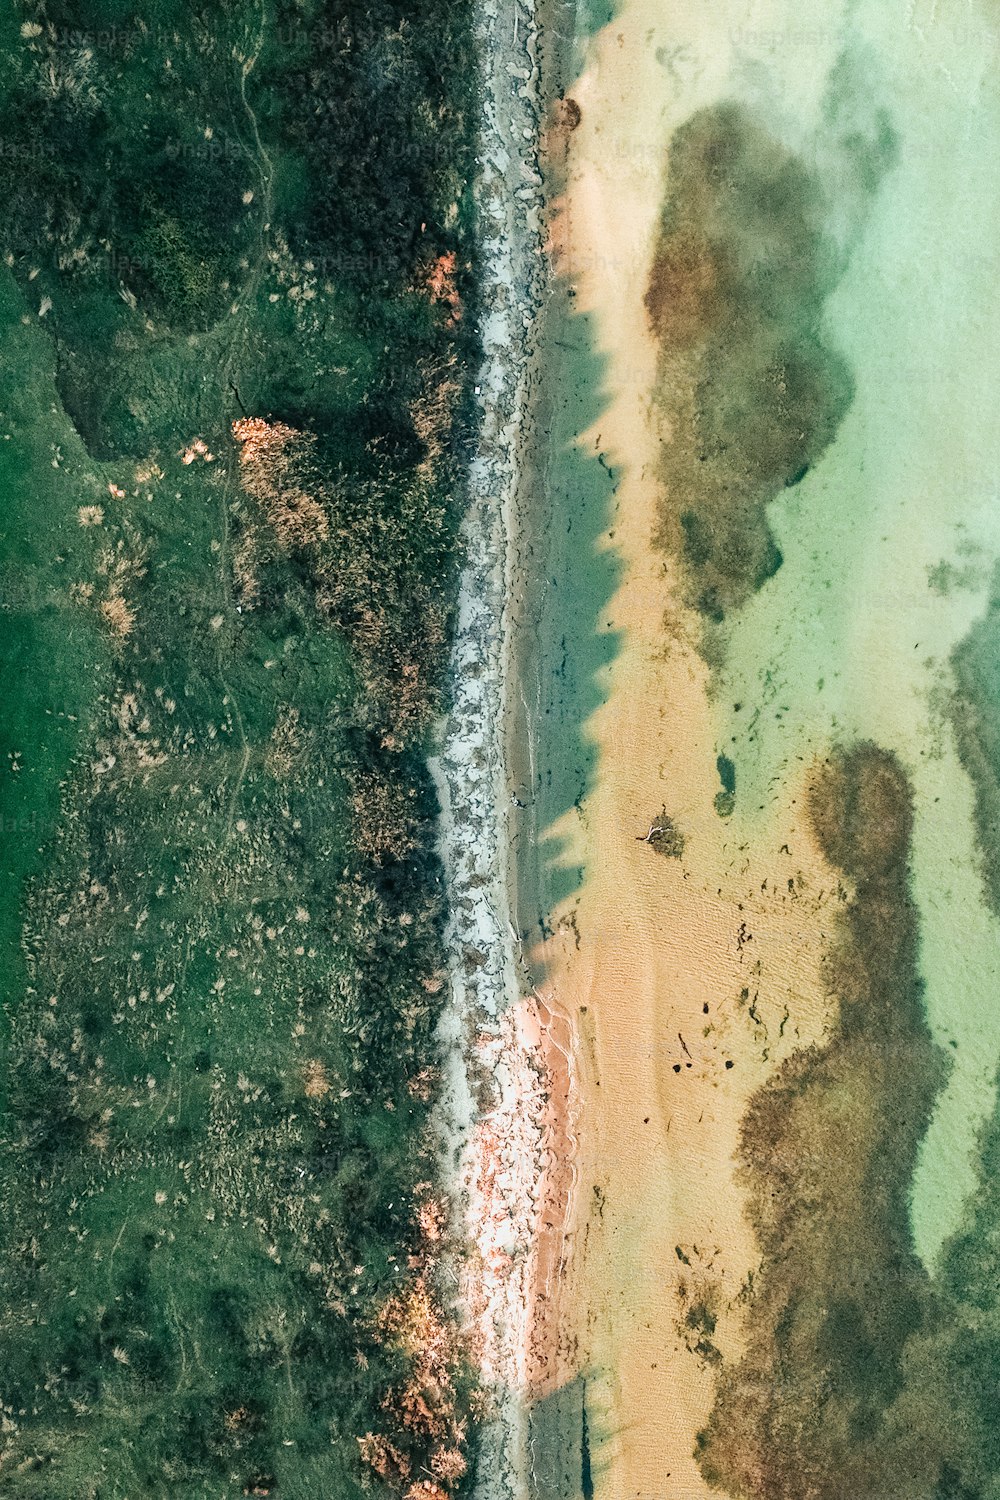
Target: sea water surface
(888, 546)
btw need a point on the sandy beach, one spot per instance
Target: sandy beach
(684, 980)
(590, 1114)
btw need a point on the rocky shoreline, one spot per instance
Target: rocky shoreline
(498, 1125)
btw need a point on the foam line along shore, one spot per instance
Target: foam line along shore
(498, 1123)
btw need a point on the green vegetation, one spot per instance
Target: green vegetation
(232, 423)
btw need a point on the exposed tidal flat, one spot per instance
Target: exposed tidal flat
(779, 232)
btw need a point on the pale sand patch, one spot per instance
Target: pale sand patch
(655, 940)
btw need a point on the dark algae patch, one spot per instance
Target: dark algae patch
(233, 436)
(863, 1375)
(827, 1151)
(725, 800)
(750, 388)
(664, 836)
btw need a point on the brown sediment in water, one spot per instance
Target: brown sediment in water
(750, 391)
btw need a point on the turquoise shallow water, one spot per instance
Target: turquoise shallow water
(565, 643)
(888, 542)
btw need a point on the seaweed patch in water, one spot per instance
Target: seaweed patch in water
(827, 1151)
(751, 390)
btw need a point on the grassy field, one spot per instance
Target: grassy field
(223, 649)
